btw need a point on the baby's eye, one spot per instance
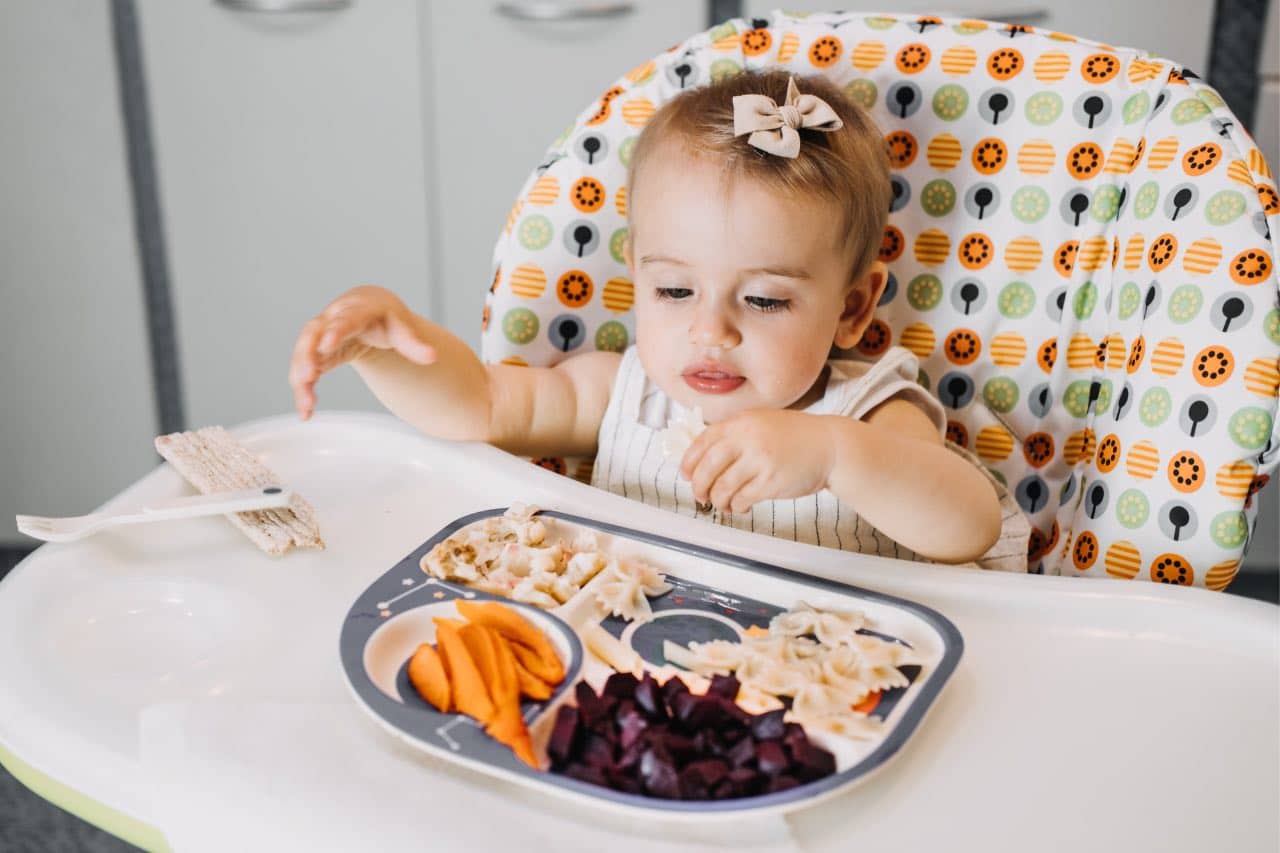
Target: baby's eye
(764, 303)
(673, 294)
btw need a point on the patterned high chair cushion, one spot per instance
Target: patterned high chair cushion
(1081, 257)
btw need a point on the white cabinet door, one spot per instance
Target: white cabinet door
(1177, 29)
(502, 91)
(290, 161)
(76, 413)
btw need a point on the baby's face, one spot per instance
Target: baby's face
(739, 292)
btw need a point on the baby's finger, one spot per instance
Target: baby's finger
(303, 368)
(731, 482)
(404, 338)
(713, 463)
(694, 452)
(340, 326)
(746, 497)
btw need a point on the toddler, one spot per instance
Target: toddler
(756, 207)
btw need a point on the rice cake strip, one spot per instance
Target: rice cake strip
(212, 461)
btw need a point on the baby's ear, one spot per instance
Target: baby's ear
(860, 304)
(627, 256)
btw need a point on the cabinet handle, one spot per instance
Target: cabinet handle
(562, 10)
(284, 5)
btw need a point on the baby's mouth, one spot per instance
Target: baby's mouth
(712, 380)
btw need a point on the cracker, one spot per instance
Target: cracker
(212, 461)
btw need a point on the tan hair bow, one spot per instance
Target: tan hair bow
(775, 129)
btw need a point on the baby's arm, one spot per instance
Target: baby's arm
(432, 380)
(894, 467)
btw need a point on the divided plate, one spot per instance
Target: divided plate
(714, 596)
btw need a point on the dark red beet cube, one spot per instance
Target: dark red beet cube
(564, 735)
(596, 750)
(589, 705)
(812, 762)
(780, 783)
(622, 685)
(724, 685)
(745, 781)
(770, 758)
(630, 727)
(769, 725)
(742, 753)
(583, 773)
(659, 776)
(649, 696)
(672, 687)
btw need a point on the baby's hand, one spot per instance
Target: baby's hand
(359, 320)
(764, 454)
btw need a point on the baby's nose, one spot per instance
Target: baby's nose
(710, 329)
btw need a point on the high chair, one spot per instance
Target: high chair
(1080, 253)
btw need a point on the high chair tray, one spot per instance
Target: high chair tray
(181, 688)
(713, 596)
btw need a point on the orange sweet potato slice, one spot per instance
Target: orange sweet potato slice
(510, 624)
(508, 724)
(530, 685)
(536, 666)
(427, 675)
(470, 695)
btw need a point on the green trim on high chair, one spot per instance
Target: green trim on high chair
(89, 810)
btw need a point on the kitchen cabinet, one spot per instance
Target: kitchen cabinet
(76, 408)
(289, 150)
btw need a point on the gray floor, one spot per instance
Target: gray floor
(28, 823)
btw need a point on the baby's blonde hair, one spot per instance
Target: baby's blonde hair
(848, 167)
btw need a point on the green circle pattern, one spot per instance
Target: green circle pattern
(950, 102)
(924, 292)
(1030, 204)
(535, 232)
(1185, 303)
(1229, 529)
(1000, 394)
(1016, 300)
(1133, 509)
(1154, 407)
(1043, 108)
(520, 325)
(938, 197)
(612, 337)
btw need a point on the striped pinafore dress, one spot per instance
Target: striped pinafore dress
(629, 462)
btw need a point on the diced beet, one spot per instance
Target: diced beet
(739, 717)
(659, 776)
(742, 753)
(679, 747)
(770, 758)
(813, 762)
(589, 705)
(745, 780)
(672, 687)
(630, 757)
(724, 685)
(682, 705)
(648, 695)
(712, 770)
(623, 709)
(708, 742)
(583, 773)
(792, 730)
(724, 789)
(596, 751)
(769, 725)
(622, 685)
(630, 727)
(564, 734)
(693, 788)
(608, 702)
(780, 783)
(795, 740)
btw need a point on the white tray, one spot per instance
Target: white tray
(186, 684)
